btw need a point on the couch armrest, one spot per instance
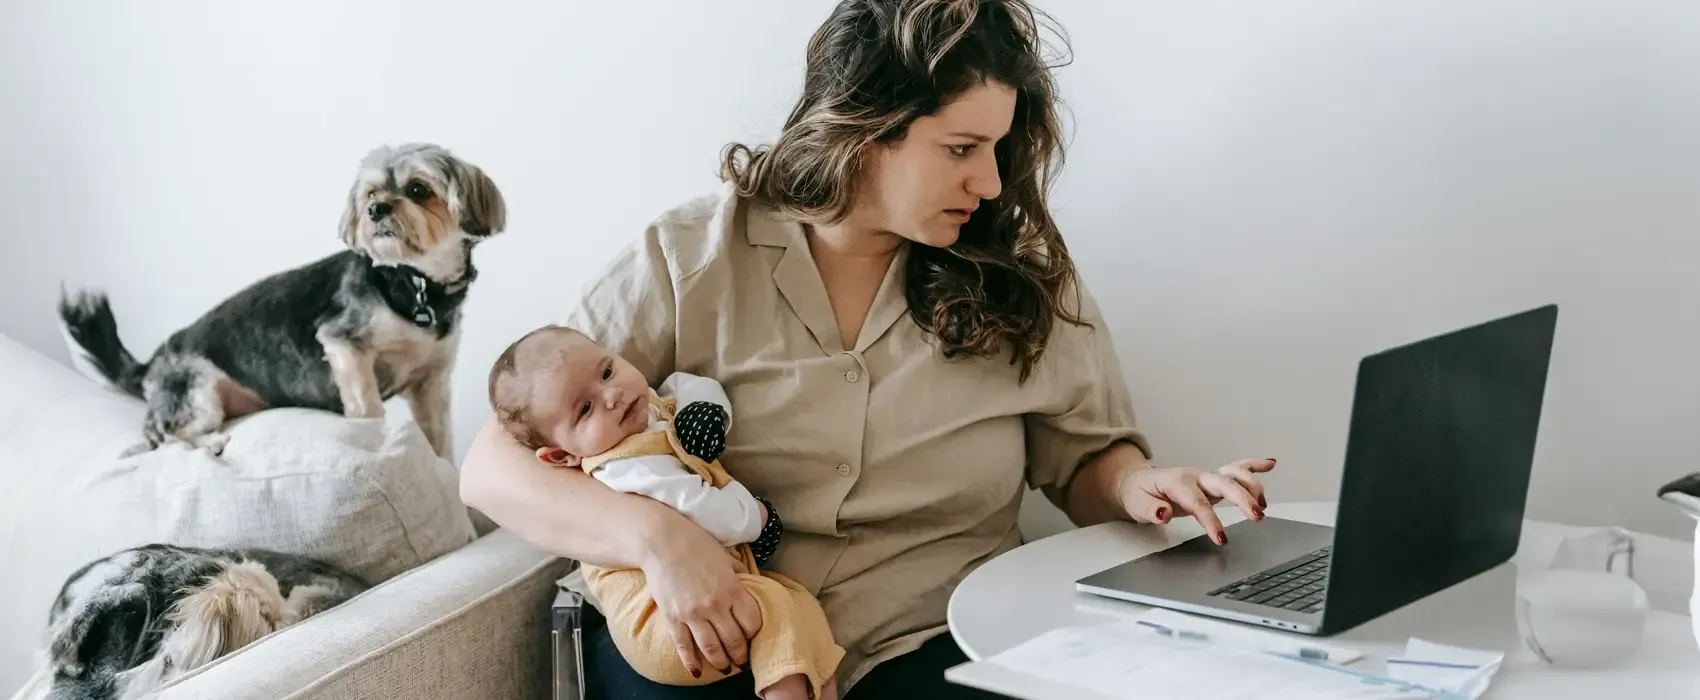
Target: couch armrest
(473, 623)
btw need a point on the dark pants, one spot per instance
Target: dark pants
(918, 674)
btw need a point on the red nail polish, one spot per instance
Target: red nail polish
(1162, 515)
(696, 673)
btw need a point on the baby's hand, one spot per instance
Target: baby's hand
(701, 426)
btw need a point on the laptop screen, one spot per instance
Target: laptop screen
(1437, 463)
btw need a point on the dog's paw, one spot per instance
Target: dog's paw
(363, 409)
(213, 443)
(701, 426)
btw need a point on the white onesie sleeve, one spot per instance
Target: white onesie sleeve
(731, 514)
(686, 389)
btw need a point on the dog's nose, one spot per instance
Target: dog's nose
(378, 210)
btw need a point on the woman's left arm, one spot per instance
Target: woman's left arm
(1091, 461)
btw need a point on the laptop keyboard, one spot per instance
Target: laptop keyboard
(1297, 585)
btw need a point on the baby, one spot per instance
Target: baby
(578, 405)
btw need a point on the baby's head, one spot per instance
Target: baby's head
(560, 394)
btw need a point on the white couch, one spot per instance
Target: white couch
(456, 613)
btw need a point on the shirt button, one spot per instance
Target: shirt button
(844, 470)
(852, 375)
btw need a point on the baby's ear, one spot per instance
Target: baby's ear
(557, 457)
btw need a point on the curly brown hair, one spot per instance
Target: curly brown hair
(873, 68)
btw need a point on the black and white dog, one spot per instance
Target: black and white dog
(130, 622)
(343, 334)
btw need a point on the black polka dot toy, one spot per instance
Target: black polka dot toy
(701, 427)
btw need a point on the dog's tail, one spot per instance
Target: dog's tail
(91, 333)
(234, 608)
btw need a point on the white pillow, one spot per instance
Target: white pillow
(368, 495)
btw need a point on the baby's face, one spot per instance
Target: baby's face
(590, 403)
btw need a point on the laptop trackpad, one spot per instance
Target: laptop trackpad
(1191, 569)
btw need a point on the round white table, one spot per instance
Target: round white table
(1030, 590)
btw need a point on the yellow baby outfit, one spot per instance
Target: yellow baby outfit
(794, 636)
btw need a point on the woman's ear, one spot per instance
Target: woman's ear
(557, 457)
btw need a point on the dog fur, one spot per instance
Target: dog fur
(343, 334)
(128, 623)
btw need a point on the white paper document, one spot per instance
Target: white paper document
(1464, 671)
(1124, 660)
(1230, 633)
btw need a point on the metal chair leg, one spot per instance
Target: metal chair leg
(566, 636)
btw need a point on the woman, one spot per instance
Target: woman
(898, 324)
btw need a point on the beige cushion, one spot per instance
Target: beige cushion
(474, 624)
(368, 495)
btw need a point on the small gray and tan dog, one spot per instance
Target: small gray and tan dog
(344, 333)
(130, 622)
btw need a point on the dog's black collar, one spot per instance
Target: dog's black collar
(418, 298)
(423, 315)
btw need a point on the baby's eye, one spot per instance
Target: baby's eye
(584, 409)
(607, 373)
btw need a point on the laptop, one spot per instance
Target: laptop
(1436, 477)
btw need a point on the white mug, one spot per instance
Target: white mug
(1685, 494)
(1694, 602)
(1582, 612)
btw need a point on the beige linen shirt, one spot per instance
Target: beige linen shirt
(895, 471)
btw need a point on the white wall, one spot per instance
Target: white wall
(1260, 193)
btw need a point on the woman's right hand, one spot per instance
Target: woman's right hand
(695, 585)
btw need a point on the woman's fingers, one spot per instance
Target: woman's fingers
(1183, 491)
(1243, 476)
(1156, 494)
(747, 614)
(1245, 472)
(1222, 487)
(708, 643)
(1206, 516)
(685, 643)
(1256, 465)
(1143, 506)
(732, 636)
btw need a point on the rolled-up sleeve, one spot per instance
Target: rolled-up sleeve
(1090, 407)
(629, 307)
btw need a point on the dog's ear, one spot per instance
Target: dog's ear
(108, 625)
(477, 204)
(350, 215)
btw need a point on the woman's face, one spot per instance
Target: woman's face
(925, 186)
